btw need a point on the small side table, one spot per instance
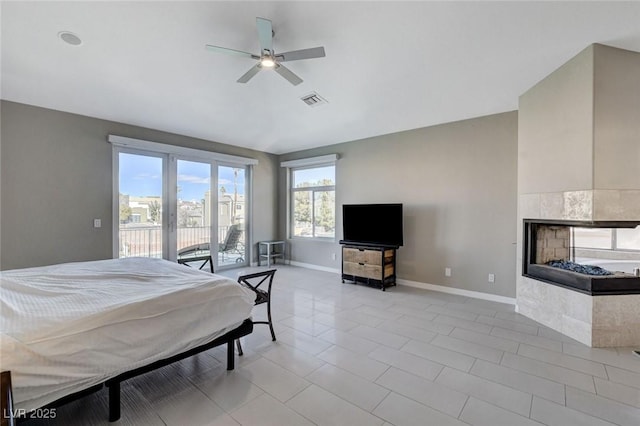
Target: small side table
(273, 250)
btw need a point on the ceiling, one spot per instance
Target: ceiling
(389, 66)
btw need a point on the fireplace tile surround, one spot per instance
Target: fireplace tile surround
(595, 320)
(589, 205)
(578, 156)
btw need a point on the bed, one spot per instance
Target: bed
(69, 329)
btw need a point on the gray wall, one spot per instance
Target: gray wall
(556, 137)
(457, 182)
(56, 177)
(579, 127)
(616, 130)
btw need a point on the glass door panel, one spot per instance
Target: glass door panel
(140, 230)
(231, 216)
(178, 207)
(193, 209)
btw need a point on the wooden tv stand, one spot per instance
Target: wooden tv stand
(369, 263)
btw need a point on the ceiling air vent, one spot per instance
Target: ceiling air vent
(313, 99)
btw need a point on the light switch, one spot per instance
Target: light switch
(97, 223)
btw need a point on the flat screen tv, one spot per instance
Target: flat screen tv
(379, 224)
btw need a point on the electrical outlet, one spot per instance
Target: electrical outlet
(97, 223)
(447, 272)
(492, 278)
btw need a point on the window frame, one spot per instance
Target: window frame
(170, 154)
(312, 190)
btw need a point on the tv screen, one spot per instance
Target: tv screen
(372, 224)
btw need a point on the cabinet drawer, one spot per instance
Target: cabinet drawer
(362, 270)
(388, 271)
(372, 271)
(369, 257)
(351, 268)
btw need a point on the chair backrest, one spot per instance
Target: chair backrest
(200, 261)
(255, 280)
(231, 239)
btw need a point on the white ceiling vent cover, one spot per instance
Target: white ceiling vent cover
(313, 99)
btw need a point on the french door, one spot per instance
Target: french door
(172, 206)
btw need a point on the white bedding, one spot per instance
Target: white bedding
(67, 327)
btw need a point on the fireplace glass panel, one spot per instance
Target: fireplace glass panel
(599, 258)
(628, 239)
(596, 238)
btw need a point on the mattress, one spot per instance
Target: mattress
(67, 327)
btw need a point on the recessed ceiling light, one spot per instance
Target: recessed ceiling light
(70, 38)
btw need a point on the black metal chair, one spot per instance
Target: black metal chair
(253, 282)
(201, 261)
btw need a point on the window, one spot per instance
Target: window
(313, 201)
(607, 238)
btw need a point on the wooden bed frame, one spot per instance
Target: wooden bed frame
(113, 384)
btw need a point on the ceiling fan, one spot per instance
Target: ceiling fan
(268, 59)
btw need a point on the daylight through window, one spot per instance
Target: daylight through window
(313, 202)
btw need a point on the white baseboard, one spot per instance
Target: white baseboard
(312, 266)
(424, 286)
(458, 291)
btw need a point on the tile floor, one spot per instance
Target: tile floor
(353, 355)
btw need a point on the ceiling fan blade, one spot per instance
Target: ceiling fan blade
(231, 51)
(265, 34)
(249, 74)
(288, 74)
(296, 55)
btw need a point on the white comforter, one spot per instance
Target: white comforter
(66, 327)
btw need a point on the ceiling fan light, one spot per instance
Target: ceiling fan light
(267, 62)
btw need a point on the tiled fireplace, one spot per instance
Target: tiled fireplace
(579, 169)
(599, 311)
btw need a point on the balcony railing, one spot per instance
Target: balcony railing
(146, 241)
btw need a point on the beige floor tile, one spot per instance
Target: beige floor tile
(494, 393)
(525, 382)
(268, 411)
(402, 411)
(604, 408)
(324, 408)
(355, 363)
(440, 355)
(349, 341)
(278, 382)
(431, 394)
(410, 363)
(348, 386)
(557, 415)
(480, 413)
